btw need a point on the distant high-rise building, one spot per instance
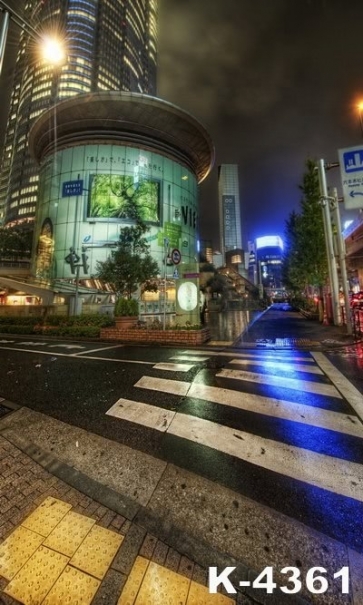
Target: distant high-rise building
(110, 45)
(229, 208)
(269, 251)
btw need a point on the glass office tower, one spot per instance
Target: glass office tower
(229, 209)
(110, 45)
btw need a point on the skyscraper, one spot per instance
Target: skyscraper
(229, 208)
(110, 45)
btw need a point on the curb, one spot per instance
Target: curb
(199, 552)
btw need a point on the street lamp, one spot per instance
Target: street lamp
(52, 51)
(360, 109)
(52, 48)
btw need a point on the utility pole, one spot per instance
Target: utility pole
(328, 232)
(3, 37)
(342, 262)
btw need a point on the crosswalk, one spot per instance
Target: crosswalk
(286, 414)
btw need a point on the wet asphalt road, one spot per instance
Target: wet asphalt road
(78, 383)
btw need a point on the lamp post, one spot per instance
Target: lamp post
(360, 109)
(3, 37)
(53, 50)
(332, 268)
(166, 252)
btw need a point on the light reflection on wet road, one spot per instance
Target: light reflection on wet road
(227, 326)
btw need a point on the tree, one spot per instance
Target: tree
(130, 265)
(305, 261)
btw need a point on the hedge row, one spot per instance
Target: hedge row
(102, 321)
(56, 325)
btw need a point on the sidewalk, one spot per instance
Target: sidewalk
(275, 328)
(60, 495)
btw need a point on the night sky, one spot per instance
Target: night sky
(273, 81)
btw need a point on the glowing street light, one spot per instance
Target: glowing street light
(360, 109)
(51, 48)
(52, 51)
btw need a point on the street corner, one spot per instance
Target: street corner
(57, 556)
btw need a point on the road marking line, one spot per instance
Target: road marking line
(279, 365)
(189, 358)
(142, 413)
(74, 356)
(351, 394)
(252, 355)
(268, 406)
(333, 474)
(99, 349)
(174, 367)
(173, 387)
(281, 382)
(279, 408)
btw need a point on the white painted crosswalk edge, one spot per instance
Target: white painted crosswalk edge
(142, 413)
(335, 475)
(278, 365)
(351, 394)
(281, 382)
(269, 406)
(279, 408)
(260, 355)
(173, 367)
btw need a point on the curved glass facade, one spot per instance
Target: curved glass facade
(87, 194)
(110, 44)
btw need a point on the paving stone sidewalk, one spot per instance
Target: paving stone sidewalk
(24, 485)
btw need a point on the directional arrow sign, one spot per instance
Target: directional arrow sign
(351, 170)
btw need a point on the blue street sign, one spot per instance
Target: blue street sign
(351, 170)
(70, 188)
(353, 160)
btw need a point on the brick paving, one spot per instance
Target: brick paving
(24, 485)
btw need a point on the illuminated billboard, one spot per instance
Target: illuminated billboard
(89, 193)
(120, 197)
(269, 241)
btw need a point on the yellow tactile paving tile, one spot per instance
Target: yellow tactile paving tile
(69, 533)
(97, 551)
(200, 595)
(152, 584)
(162, 587)
(134, 581)
(45, 518)
(73, 587)
(36, 578)
(17, 549)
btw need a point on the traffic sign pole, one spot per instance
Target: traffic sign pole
(332, 267)
(342, 261)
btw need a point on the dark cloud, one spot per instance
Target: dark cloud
(274, 82)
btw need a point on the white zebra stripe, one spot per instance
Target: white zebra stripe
(173, 367)
(268, 406)
(352, 394)
(279, 365)
(262, 355)
(336, 475)
(280, 381)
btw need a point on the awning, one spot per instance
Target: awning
(45, 293)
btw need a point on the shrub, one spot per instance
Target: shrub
(15, 329)
(126, 307)
(19, 321)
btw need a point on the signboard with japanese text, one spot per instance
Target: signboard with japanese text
(351, 170)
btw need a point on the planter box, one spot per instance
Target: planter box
(125, 321)
(144, 335)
